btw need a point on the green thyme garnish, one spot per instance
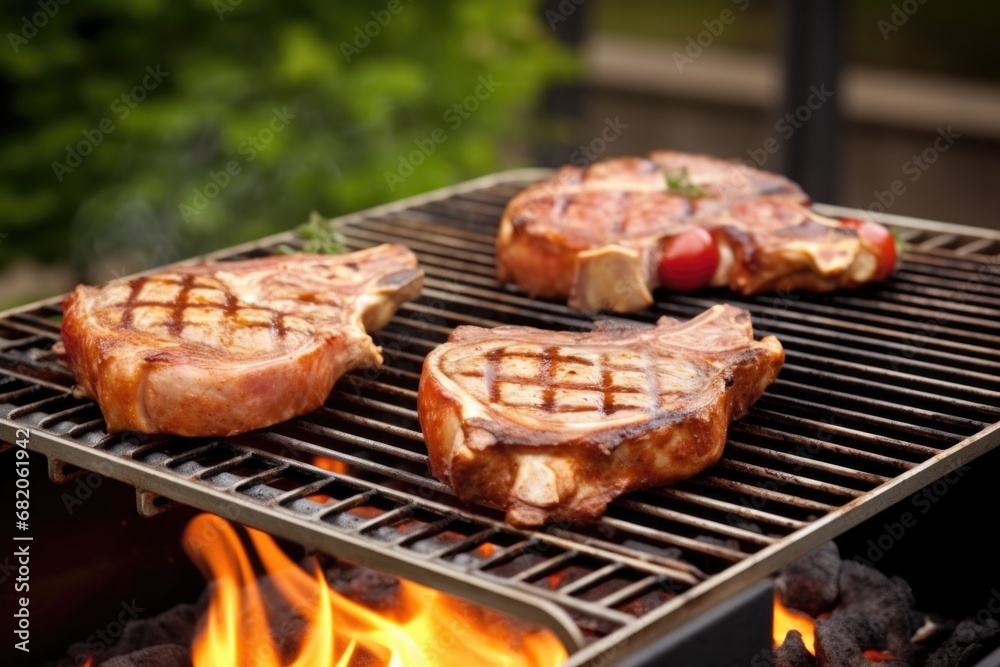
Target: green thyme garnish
(319, 235)
(679, 183)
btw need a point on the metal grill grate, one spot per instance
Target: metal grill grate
(884, 390)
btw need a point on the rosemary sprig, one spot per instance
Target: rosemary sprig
(679, 183)
(319, 235)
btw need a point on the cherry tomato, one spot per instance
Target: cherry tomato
(879, 241)
(689, 260)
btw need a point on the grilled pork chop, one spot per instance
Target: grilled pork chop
(218, 349)
(553, 425)
(606, 235)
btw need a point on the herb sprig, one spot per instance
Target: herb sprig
(679, 183)
(319, 235)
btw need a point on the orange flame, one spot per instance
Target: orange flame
(333, 465)
(89, 662)
(786, 620)
(425, 629)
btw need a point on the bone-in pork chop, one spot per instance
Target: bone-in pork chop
(605, 236)
(553, 425)
(221, 348)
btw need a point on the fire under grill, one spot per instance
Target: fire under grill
(884, 390)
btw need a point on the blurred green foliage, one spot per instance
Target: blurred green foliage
(257, 98)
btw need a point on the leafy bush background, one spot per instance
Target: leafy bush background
(352, 120)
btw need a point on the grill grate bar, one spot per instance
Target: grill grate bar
(959, 287)
(798, 389)
(832, 317)
(788, 478)
(362, 401)
(589, 580)
(350, 503)
(886, 374)
(86, 427)
(30, 341)
(367, 443)
(869, 387)
(384, 519)
(20, 323)
(545, 567)
(432, 529)
(630, 591)
(473, 540)
(748, 513)
(65, 415)
(854, 434)
(374, 424)
(593, 610)
(225, 466)
(748, 490)
(869, 420)
(36, 406)
(358, 462)
(16, 394)
(805, 462)
(292, 495)
(698, 546)
(697, 522)
(261, 478)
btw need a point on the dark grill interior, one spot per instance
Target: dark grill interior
(877, 382)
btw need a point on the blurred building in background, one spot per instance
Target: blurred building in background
(138, 132)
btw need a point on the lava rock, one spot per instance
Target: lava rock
(793, 653)
(154, 656)
(812, 583)
(967, 644)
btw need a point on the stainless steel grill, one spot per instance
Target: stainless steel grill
(884, 390)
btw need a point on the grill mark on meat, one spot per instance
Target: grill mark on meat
(493, 358)
(608, 406)
(176, 323)
(548, 362)
(116, 333)
(130, 304)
